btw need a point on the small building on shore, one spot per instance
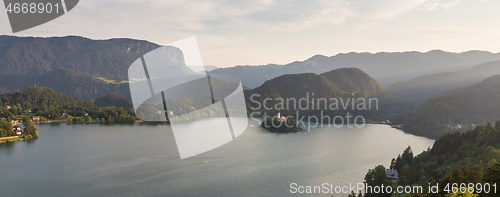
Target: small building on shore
(35, 118)
(392, 175)
(17, 129)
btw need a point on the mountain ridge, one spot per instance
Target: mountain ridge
(462, 107)
(385, 67)
(420, 89)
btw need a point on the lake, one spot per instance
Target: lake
(143, 160)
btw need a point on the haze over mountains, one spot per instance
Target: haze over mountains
(386, 68)
(418, 90)
(89, 69)
(476, 104)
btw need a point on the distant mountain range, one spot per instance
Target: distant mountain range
(88, 69)
(113, 100)
(386, 68)
(70, 65)
(476, 104)
(420, 89)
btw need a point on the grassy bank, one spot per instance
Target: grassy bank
(10, 139)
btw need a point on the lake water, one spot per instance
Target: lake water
(142, 160)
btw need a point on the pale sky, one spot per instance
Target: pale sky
(260, 32)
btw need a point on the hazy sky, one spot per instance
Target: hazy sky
(259, 32)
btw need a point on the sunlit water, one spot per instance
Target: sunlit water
(142, 160)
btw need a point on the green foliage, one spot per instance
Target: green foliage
(113, 100)
(297, 85)
(30, 130)
(6, 128)
(68, 64)
(356, 84)
(377, 177)
(68, 82)
(50, 104)
(492, 176)
(355, 80)
(467, 194)
(449, 158)
(26, 56)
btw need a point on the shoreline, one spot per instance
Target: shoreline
(10, 139)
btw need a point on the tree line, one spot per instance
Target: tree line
(470, 157)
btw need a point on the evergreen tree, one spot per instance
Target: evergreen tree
(489, 126)
(30, 130)
(492, 176)
(6, 128)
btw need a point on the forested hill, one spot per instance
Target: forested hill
(50, 104)
(476, 104)
(341, 84)
(298, 85)
(42, 97)
(113, 100)
(335, 83)
(68, 64)
(355, 80)
(28, 56)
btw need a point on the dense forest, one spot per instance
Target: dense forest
(470, 157)
(113, 100)
(420, 89)
(69, 82)
(6, 129)
(342, 84)
(355, 80)
(110, 59)
(458, 109)
(71, 65)
(49, 104)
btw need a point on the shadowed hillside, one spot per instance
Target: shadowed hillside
(422, 88)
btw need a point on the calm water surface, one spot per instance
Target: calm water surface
(142, 160)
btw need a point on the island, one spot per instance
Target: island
(280, 124)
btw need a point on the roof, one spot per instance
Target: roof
(392, 174)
